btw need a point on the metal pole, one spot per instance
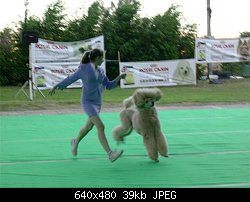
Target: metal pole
(119, 56)
(30, 74)
(209, 11)
(26, 3)
(29, 82)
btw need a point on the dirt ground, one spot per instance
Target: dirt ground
(76, 109)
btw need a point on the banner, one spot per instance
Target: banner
(158, 73)
(222, 50)
(52, 61)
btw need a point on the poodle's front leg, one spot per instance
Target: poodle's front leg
(150, 144)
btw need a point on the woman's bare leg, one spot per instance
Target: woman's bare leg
(81, 134)
(101, 135)
(113, 155)
(84, 130)
(95, 120)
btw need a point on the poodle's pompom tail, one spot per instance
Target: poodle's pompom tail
(128, 102)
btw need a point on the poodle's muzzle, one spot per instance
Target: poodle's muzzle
(149, 103)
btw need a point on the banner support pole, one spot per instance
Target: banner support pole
(209, 11)
(30, 74)
(30, 80)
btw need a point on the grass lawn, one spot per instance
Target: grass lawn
(230, 91)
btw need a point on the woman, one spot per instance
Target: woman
(94, 82)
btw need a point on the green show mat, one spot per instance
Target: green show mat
(207, 148)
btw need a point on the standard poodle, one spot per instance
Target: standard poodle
(144, 120)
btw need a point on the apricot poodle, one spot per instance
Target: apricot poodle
(144, 120)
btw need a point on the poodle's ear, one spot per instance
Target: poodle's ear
(128, 102)
(158, 94)
(138, 97)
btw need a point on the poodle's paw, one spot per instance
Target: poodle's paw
(119, 140)
(164, 155)
(155, 159)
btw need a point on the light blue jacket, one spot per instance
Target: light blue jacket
(93, 85)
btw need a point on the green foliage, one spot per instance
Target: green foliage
(137, 39)
(245, 34)
(54, 22)
(187, 42)
(12, 61)
(235, 69)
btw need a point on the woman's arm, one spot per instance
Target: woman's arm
(114, 83)
(66, 82)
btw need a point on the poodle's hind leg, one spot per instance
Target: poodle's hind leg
(162, 145)
(124, 129)
(151, 147)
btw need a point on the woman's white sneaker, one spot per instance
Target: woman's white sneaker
(114, 155)
(74, 146)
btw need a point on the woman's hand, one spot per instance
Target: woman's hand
(122, 76)
(52, 91)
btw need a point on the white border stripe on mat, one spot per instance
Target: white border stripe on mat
(221, 185)
(105, 158)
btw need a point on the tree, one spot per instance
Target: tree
(167, 27)
(245, 34)
(87, 26)
(54, 22)
(120, 29)
(12, 62)
(187, 41)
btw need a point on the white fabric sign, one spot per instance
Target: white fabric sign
(52, 61)
(158, 73)
(222, 50)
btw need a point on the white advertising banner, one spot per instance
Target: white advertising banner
(158, 73)
(222, 50)
(52, 61)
